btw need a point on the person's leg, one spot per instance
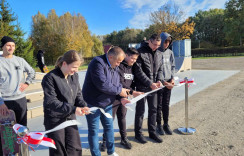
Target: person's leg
(72, 141)
(121, 115)
(165, 104)
(159, 107)
(59, 139)
(19, 107)
(93, 129)
(165, 110)
(152, 112)
(108, 130)
(140, 109)
(159, 112)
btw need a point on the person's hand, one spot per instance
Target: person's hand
(168, 85)
(4, 110)
(124, 101)
(172, 82)
(154, 86)
(86, 110)
(124, 92)
(78, 111)
(23, 87)
(136, 93)
(159, 84)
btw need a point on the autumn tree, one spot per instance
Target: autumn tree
(58, 34)
(169, 19)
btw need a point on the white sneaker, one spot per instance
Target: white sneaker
(114, 154)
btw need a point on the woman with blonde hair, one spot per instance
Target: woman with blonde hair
(62, 101)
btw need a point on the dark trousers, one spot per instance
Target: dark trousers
(120, 111)
(20, 109)
(41, 68)
(152, 113)
(67, 141)
(163, 105)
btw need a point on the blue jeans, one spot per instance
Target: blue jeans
(93, 129)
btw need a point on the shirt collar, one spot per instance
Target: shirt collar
(108, 60)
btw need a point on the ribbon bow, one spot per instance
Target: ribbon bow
(37, 138)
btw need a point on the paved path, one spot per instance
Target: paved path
(203, 79)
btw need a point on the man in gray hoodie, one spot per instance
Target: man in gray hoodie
(168, 82)
(12, 84)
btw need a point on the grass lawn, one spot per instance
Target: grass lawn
(83, 67)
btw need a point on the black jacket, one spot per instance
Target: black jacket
(148, 68)
(40, 59)
(61, 96)
(126, 76)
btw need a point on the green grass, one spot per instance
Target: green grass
(82, 67)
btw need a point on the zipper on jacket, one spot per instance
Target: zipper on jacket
(70, 87)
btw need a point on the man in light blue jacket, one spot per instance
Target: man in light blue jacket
(12, 84)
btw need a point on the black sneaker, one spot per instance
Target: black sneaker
(167, 129)
(103, 146)
(155, 137)
(141, 138)
(160, 130)
(126, 143)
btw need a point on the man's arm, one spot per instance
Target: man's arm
(139, 73)
(30, 72)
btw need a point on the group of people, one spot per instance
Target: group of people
(111, 80)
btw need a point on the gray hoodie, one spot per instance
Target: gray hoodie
(168, 58)
(11, 75)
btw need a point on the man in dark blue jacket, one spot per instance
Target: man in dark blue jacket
(101, 86)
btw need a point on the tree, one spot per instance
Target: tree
(168, 19)
(234, 21)
(8, 28)
(209, 27)
(58, 34)
(97, 48)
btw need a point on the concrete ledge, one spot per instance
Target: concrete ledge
(34, 96)
(35, 112)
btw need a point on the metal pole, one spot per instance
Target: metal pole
(186, 102)
(186, 130)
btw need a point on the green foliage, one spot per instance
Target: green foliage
(209, 27)
(97, 49)
(57, 34)
(234, 22)
(123, 37)
(8, 28)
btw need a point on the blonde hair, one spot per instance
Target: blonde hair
(68, 57)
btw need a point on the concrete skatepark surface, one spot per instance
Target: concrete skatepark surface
(203, 79)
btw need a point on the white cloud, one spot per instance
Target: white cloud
(143, 8)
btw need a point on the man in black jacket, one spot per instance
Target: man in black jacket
(40, 60)
(148, 74)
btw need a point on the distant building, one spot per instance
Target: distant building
(106, 48)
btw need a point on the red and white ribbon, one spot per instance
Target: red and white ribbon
(37, 138)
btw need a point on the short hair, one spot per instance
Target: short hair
(155, 37)
(69, 57)
(132, 51)
(116, 51)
